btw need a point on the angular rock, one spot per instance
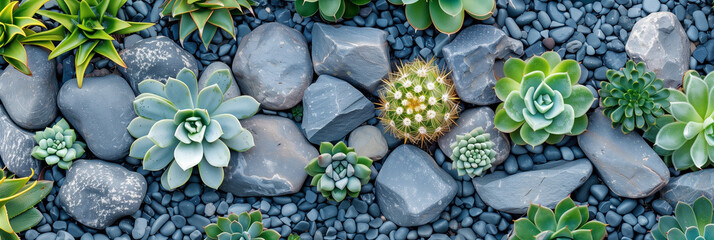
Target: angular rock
(274, 166)
(272, 64)
(357, 55)
(15, 147)
(157, 58)
(233, 90)
(469, 120)
(31, 101)
(411, 188)
(690, 186)
(626, 163)
(100, 112)
(368, 141)
(546, 184)
(332, 108)
(97, 193)
(471, 57)
(659, 41)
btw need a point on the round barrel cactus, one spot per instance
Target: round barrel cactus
(338, 171)
(244, 226)
(58, 145)
(569, 221)
(472, 153)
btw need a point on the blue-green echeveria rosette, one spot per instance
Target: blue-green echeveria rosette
(58, 145)
(338, 171)
(566, 221)
(542, 100)
(472, 153)
(181, 127)
(244, 226)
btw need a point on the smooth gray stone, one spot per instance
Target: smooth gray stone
(689, 186)
(626, 163)
(275, 165)
(469, 120)
(232, 92)
(157, 58)
(272, 64)
(97, 193)
(546, 184)
(471, 57)
(15, 147)
(411, 188)
(368, 141)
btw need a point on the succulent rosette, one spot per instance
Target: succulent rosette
(569, 221)
(58, 145)
(472, 153)
(338, 171)
(206, 16)
(691, 222)
(244, 226)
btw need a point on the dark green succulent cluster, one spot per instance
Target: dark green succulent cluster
(244, 226)
(205, 15)
(330, 10)
(338, 171)
(472, 153)
(689, 223)
(447, 15)
(17, 198)
(569, 221)
(58, 145)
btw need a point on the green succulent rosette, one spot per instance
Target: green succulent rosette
(691, 222)
(569, 221)
(244, 226)
(472, 153)
(338, 171)
(330, 10)
(446, 15)
(17, 198)
(206, 16)
(58, 145)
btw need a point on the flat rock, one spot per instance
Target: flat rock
(358, 55)
(546, 184)
(626, 163)
(157, 58)
(469, 120)
(471, 57)
(272, 64)
(690, 186)
(233, 90)
(411, 188)
(97, 193)
(274, 166)
(15, 147)
(368, 141)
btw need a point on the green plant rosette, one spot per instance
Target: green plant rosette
(206, 16)
(58, 145)
(446, 15)
(689, 223)
(472, 153)
(244, 226)
(330, 10)
(17, 198)
(569, 221)
(338, 171)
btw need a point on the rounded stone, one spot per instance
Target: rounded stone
(368, 141)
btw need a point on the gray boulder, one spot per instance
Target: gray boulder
(272, 64)
(274, 166)
(15, 147)
(471, 57)
(411, 188)
(470, 120)
(97, 193)
(233, 90)
(157, 58)
(690, 186)
(357, 55)
(545, 185)
(368, 141)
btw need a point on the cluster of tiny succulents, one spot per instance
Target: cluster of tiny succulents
(569, 221)
(17, 198)
(542, 100)
(446, 15)
(330, 10)
(338, 171)
(689, 223)
(206, 16)
(179, 127)
(87, 26)
(633, 98)
(58, 145)
(472, 153)
(418, 102)
(244, 226)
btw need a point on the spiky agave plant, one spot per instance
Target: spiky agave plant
(447, 15)
(330, 10)
(205, 15)
(17, 198)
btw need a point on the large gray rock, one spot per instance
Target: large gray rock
(15, 147)
(274, 166)
(272, 64)
(470, 120)
(233, 90)
(100, 111)
(690, 186)
(357, 55)
(471, 57)
(659, 41)
(157, 58)
(626, 163)
(31, 101)
(411, 188)
(368, 141)
(546, 184)
(332, 108)
(97, 193)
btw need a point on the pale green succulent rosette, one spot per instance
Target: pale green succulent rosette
(472, 153)
(244, 226)
(569, 221)
(58, 145)
(338, 171)
(691, 222)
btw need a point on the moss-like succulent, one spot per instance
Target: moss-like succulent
(338, 171)
(418, 102)
(472, 153)
(181, 127)
(330, 10)
(244, 226)
(447, 15)
(17, 198)
(689, 223)
(88, 26)
(58, 145)
(297, 112)
(633, 98)
(205, 15)
(569, 221)
(542, 100)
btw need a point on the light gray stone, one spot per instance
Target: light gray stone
(469, 120)
(15, 147)
(157, 58)
(368, 141)
(233, 90)
(689, 186)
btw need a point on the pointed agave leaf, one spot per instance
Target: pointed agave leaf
(26, 220)
(113, 24)
(84, 50)
(209, 31)
(134, 27)
(81, 68)
(14, 53)
(186, 27)
(70, 42)
(27, 200)
(106, 49)
(114, 6)
(28, 8)
(222, 18)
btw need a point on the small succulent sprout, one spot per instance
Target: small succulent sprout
(569, 221)
(447, 15)
(58, 145)
(418, 102)
(542, 100)
(691, 222)
(330, 10)
(205, 15)
(17, 198)
(179, 127)
(338, 171)
(472, 153)
(244, 226)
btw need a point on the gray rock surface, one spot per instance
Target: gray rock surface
(233, 90)
(97, 193)
(470, 120)
(155, 58)
(357, 55)
(689, 186)
(272, 64)
(546, 184)
(368, 141)
(392, 141)
(471, 57)
(274, 166)
(15, 147)
(411, 188)
(626, 163)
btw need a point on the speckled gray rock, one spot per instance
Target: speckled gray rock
(97, 193)
(155, 58)
(626, 163)
(659, 41)
(368, 141)
(411, 188)
(31, 101)
(357, 55)
(272, 64)
(546, 184)
(274, 166)
(15, 147)
(471, 57)
(690, 186)
(233, 90)
(332, 108)
(100, 111)
(470, 120)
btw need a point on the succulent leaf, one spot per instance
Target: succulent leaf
(689, 222)
(446, 15)
(17, 198)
